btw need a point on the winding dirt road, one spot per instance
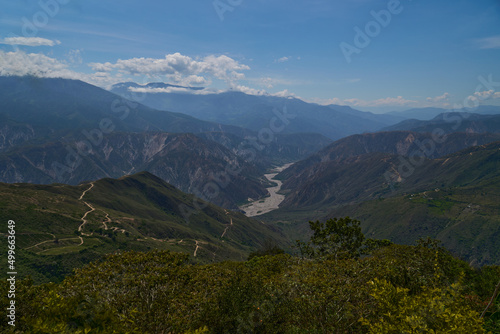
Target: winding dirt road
(84, 221)
(225, 230)
(83, 194)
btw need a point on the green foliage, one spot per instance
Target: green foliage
(198, 331)
(434, 310)
(414, 288)
(492, 311)
(415, 267)
(464, 228)
(269, 248)
(123, 293)
(336, 238)
(371, 245)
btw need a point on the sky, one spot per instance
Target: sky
(372, 55)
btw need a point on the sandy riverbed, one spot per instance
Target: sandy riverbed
(269, 203)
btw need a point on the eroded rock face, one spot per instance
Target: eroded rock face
(48, 134)
(192, 164)
(13, 135)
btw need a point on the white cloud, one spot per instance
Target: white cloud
(388, 101)
(260, 92)
(282, 60)
(29, 41)
(441, 98)
(40, 65)
(195, 80)
(207, 91)
(441, 101)
(285, 93)
(492, 42)
(249, 90)
(176, 69)
(326, 102)
(182, 90)
(485, 95)
(269, 82)
(360, 103)
(179, 79)
(179, 68)
(20, 63)
(223, 68)
(266, 82)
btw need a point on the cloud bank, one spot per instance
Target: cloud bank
(29, 41)
(186, 71)
(179, 69)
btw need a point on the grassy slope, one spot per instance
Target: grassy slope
(140, 212)
(465, 219)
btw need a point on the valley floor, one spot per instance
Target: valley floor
(270, 203)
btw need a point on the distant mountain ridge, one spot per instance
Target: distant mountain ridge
(59, 105)
(429, 113)
(256, 112)
(403, 143)
(127, 85)
(377, 175)
(451, 122)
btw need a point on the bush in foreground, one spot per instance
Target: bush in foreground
(400, 289)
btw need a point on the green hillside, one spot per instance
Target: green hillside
(454, 122)
(58, 229)
(466, 219)
(454, 198)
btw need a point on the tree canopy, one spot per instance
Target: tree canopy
(396, 289)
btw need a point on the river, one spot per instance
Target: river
(270, 203)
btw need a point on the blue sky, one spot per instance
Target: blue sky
(428, 53)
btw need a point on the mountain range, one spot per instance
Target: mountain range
(373, 175)
(450, 123)
(70, 149)
(255, 112)
(424, 114)
(401, 197)
(404, 143)
(67, 131)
